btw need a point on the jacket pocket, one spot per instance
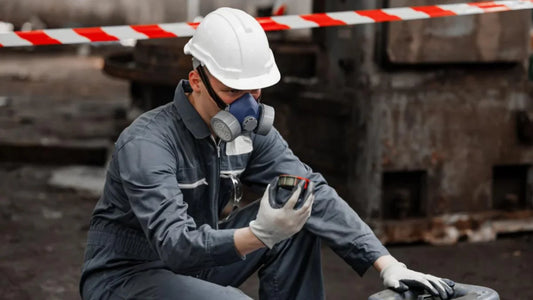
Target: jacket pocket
(195, 189)
(190, 178)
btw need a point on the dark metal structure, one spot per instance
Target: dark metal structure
(424, 127)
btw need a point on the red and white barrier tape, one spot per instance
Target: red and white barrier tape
(137, 32)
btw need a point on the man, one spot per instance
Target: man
(156, 234)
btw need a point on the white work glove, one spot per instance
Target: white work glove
(399, 278)
(273, 225)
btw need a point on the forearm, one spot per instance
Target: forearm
(246, 241)
(355, 243)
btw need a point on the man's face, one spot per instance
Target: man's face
(227, 94)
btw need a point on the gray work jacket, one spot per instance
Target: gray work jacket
(165, 189)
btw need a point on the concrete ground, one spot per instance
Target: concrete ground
(50, 98)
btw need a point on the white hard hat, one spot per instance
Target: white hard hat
(234, 48)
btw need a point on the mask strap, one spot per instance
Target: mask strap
(207, 84)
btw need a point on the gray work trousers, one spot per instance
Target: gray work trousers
(290, 270)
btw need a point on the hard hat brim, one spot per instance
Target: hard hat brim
(249, 83)
(253, 83)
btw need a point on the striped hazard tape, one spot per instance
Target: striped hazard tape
(137, 32)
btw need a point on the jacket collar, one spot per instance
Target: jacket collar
(191, 118)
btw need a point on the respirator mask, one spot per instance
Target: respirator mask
(245, 114)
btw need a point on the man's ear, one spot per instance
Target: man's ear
(195, 80)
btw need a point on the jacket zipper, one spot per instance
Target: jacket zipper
(214, 205)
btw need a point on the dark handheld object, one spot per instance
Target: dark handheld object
(283, 186)
(462, 292)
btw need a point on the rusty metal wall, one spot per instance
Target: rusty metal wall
(456, 128)
(496, 37)
(433, 122)
(413, 140)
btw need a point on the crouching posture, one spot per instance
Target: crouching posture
(156, 233)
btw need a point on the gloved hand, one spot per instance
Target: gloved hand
(399, 278)
(273, 225)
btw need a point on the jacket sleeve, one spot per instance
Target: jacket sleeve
(148, 173)
(332, 219)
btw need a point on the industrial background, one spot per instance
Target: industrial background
(424, 127)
